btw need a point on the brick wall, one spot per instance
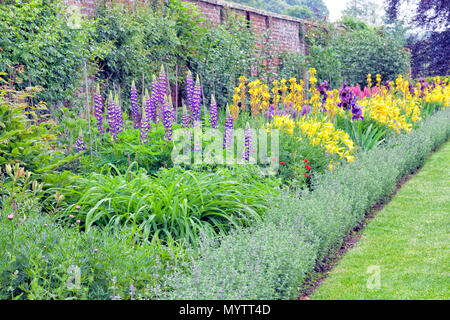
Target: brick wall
(285, 32)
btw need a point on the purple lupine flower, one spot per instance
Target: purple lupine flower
(118, 114)
(213, 112)
(145, 123)
(80, 143)
(185, 120)
(152, 103)
(189, 89)
(111, 117)
(167, 119)
(98, 110)
(196, 101)
(248, 142)
(228, 139)
(135, 106)
(162, 86)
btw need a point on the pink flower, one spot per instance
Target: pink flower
(78, 221)
(71, 216)
(95, 250)
(78, 207)
(10, 217)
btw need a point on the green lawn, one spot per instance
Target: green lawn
(407, 242)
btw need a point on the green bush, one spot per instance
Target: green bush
(39, 260)
(27, 132)
(36, 35)
(173, 35)
(173, 204)
(350, 55)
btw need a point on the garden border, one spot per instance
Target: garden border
(259, 263)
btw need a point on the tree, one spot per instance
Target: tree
(301, 12)
(430, 52)
(364, 10)
(295, 8)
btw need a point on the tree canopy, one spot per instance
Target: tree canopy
(430, 49)
(306, 9)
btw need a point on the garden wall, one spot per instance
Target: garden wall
(285, 32)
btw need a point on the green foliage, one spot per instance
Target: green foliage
(150, 156)
(365, 134)
(177, 36)
(351, 55)
(39, 260)
(141, 41)
(27, 132)
(291, 65)
(354, 24)
(173, 204)
(36, 35)
(301, 12)
(293, 154)
(225, 53)
(328, 63)
(290, 7)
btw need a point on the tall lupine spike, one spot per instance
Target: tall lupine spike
(136, 116)
(118, 114)
(149, 108)
(228, 139)
(162, 86)
(213, 112)
(189, 89)
(248, 142)
(145, 121)
(80, 142)
(171, 107)
(167, 119)
(154, 104)
(185, 120)
(98, 110)
(197, 100)
(111, 117)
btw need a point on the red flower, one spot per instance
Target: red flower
(282, 162)
(308, 167)
(307, 176)
(306, 161)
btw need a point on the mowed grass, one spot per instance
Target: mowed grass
(406, 246)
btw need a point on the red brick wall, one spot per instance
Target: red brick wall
(285, 31)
